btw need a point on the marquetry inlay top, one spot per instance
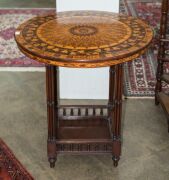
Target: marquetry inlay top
(83, 38)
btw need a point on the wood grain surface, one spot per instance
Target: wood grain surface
(83, 39)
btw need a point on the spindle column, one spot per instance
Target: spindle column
(52, 111)
(115, 109)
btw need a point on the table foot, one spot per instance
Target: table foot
(156, 101)
(52, 155)
(52, 162)
(115, 160)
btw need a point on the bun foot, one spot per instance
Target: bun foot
(115, 161)
(52, 162)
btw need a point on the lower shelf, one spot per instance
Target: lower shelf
(79, 133)
(94, 138)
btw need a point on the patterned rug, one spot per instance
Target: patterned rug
(139, 74)
(10, 167)
(10, 56)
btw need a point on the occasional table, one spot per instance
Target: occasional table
(84, 39)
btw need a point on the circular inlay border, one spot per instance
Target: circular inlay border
(48, 37)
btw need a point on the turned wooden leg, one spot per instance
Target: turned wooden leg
(52, 112)
(115, 94)
(158, 87)
(111, 102)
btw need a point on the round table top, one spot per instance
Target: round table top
(83, 39)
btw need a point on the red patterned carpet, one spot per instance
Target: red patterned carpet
(10, 167)
(10, 56)
(139, 74)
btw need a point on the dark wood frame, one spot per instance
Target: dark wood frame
(160, 96)
(161, 53)
(81, 132)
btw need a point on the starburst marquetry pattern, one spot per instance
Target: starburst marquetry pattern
(83, 38)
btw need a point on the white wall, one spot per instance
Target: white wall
(85, 83)
(102, 5)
